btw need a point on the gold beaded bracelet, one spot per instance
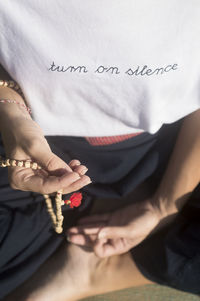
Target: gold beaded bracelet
(16, 102)
(13, 85)
(57, 218)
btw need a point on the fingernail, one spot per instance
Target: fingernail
(101, 235)
(78, 176)
(76, 163)
(88, 181)
(83, 171)
(68, 238)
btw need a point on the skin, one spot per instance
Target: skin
(23, 139)
(109, 237)
(121, 230)
(79, 273)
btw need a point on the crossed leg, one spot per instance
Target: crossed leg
(72, 273)
(81, 274)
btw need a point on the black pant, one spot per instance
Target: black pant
(27, 238)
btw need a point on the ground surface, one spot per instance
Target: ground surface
(146, 293)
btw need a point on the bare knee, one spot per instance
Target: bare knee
(116, 273)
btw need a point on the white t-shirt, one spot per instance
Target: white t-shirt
(103, 67)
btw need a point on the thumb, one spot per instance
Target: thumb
(58, 174)
(112, 232)
(42, 154)
(53, 164)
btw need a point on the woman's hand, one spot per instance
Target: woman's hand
(117, 232)
(23, 139)
(121, 230)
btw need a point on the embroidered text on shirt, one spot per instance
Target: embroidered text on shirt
(112, 70)
(69, 68)
(147, 71)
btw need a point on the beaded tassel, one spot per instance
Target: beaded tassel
(57, 219)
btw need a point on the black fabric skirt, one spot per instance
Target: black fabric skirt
(27, 238)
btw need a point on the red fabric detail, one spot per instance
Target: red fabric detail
(75, 200)
(106, 140)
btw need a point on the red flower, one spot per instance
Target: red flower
(74, 200)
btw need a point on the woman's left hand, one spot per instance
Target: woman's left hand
(117, 232)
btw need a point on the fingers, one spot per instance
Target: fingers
(59, 175)
(47, 182)
(84, 180)
(101, 247)
(52, 163)
(90, 229)
(77, 185)
(105, 241)
(90, 225)
(68, 183)
(48, 160)
(82, 240)
(113, 232)
(29, 180)
(106, 248)
(74, 163)
(81, 170)
(85, 236)
(100, 230)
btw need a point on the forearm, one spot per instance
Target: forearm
(183, 172)
(11, 111)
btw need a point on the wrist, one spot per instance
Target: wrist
(20, 136)
(9, 112)
(164, 206)
(170, 199)
(165, 214)
(11, 108)
(9, 94)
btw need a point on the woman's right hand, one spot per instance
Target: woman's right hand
(23, 139)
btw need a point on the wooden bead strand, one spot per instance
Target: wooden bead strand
(57, 218)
